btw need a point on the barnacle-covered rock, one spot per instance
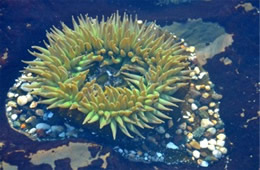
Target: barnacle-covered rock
(151, 64)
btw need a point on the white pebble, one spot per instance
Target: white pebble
(221, 136)
(194, 106)
(9, 109)
(24, 88)
(32, 130)
(204, 164)
(22, 100)
(204, 143)
(212, 142)
(202, 75)
(14, 116)
(211, 147)
(197, 70)
(196, 154)
(29, 97)
(158, 154)
(216, 154)
(220, 143)
(171, 145)
(43, 126)
(10, 95)
(206, 123)
(223, 150)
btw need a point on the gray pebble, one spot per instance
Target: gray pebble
(43, 126)
(57, 128)
(216, 96)
(160, 129)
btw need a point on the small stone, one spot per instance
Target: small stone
(16, 124)
(32, 130)
(50, 114)
(223, 150)
(57, 128)
(14, 116)
(203, 163)
(10, 95)
(62, 135)
(178, 131)
(189, 136)
(192, 74)
(24, 88)
(23, 126)
(171, 145)
(205, 95)
(198, 87)
(211, 112)
(220, 143)
(212, 131)
(190, 100)
(22, 100)
(204, 143)
(29, 97)
(207, 88)
(43, 126)
(194, 144)
(170, 124)
(31, 119)
(212, 104)
(191, 119)
(183, 126)
(12, 104)
(22, 117)
(216, 96)
(189, 128)
(9, 109)
(194, 93)
(221, 136)
(160, 129)
(196, 154)
(216, 115)
(202, 74)
(158, 154)
(167, 135)
(39, 112)
(205, 123)
(217, 154)
(197, 70)
(211, 147)
(212, 142)
(194, 106)
(204, 114)
(198, 132)
(203, 108)
(40, 133)
(33, 105)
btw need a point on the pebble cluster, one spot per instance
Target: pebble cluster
(201, 121)
(27, 116)
(196, 136)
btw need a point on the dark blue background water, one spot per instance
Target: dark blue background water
(237, 82)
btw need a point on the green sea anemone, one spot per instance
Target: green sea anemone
(152, 65)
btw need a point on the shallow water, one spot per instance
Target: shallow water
(23, 24)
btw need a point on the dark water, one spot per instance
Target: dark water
(238, 82)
